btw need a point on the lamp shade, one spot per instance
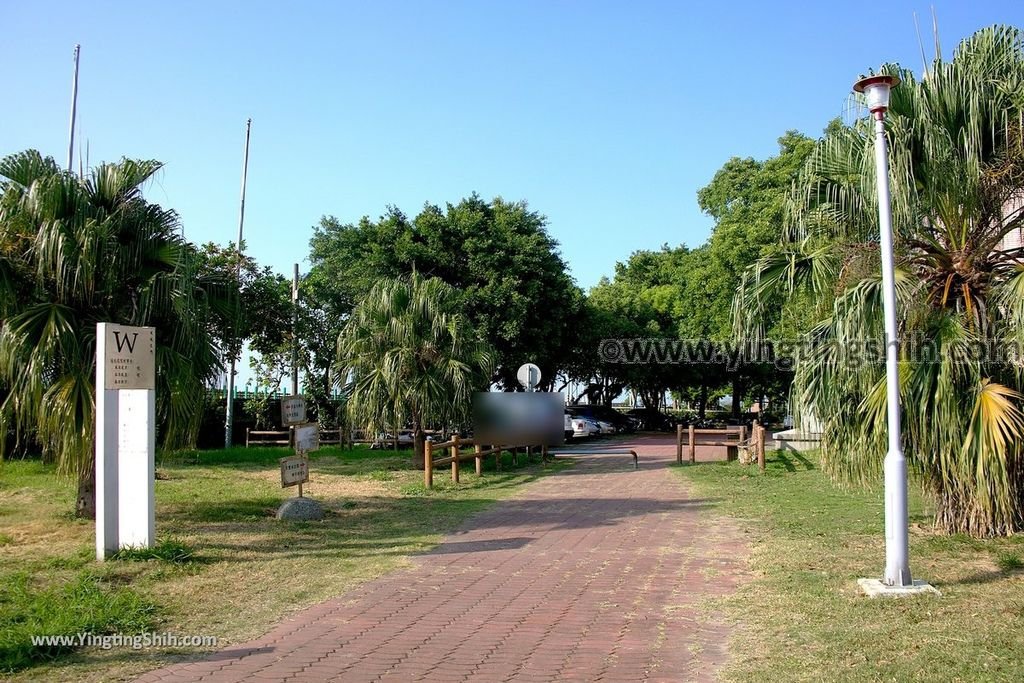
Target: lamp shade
(876, 89)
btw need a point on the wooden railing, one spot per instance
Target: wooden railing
(758, 444)
(455, 456)
(255, 437)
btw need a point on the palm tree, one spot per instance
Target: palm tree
(409, 355)
(957, 169)
(75, 251)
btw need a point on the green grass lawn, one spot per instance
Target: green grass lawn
(801, 614)
(225, 567)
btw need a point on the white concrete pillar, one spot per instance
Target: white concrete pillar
(125, 437)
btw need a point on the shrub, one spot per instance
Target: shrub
(165, 549)
(1009, 561)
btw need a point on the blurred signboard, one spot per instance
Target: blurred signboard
(519, 418)
(307, 437)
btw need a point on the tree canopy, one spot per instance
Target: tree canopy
(687, 294)
(957, 170)
(409, 354)
(498, 255)
(76, 251)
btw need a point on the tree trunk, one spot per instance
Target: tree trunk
(737, 391)
(955, 514)
(418, 440)
(702, 402)
(85, 505)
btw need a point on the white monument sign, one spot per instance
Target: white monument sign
(125, 437)
(529, 376)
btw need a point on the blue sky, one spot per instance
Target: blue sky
(607, 117)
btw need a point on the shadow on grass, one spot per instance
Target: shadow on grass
(781, 457)
(242, 528)
(808, 465)
(987, 576)
(383, 526)
(239, 456)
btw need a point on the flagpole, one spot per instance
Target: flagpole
(229, 408)
(74, 111)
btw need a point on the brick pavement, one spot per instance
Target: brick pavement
(595, 573)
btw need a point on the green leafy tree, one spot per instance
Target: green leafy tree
(261, 318)
(498, 255)
(640, 302)
(321, 316)
(410, 355)
(957, 171)
(747, 200)
(78, 251)
(644, 300)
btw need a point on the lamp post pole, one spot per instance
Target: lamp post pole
(897, 553)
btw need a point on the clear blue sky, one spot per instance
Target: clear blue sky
(606, 117)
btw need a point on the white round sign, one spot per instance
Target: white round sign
(528, 375)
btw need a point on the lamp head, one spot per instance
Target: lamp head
(876, 90)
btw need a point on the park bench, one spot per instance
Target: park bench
(733, 438)
(253, 437)
(730, 437)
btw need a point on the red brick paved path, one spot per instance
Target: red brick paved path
(595, 573)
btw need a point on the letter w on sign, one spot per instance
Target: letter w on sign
(123, 341)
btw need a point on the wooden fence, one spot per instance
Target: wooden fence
(455, 456)
(758, 443)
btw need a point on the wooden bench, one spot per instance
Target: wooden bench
(267, 438)
(730, 437)
(328, 437)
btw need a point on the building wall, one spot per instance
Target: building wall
(1015, 239)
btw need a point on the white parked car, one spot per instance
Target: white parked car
(605, 427)
(582, 428)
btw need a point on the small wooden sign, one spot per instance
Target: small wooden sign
(294, 470)
(307, 437)
(293, 410)
(129, 357)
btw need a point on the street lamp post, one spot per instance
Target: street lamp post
(897, 578)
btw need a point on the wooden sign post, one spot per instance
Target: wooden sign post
(295, 469)
(125, 438)
(293, 410)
